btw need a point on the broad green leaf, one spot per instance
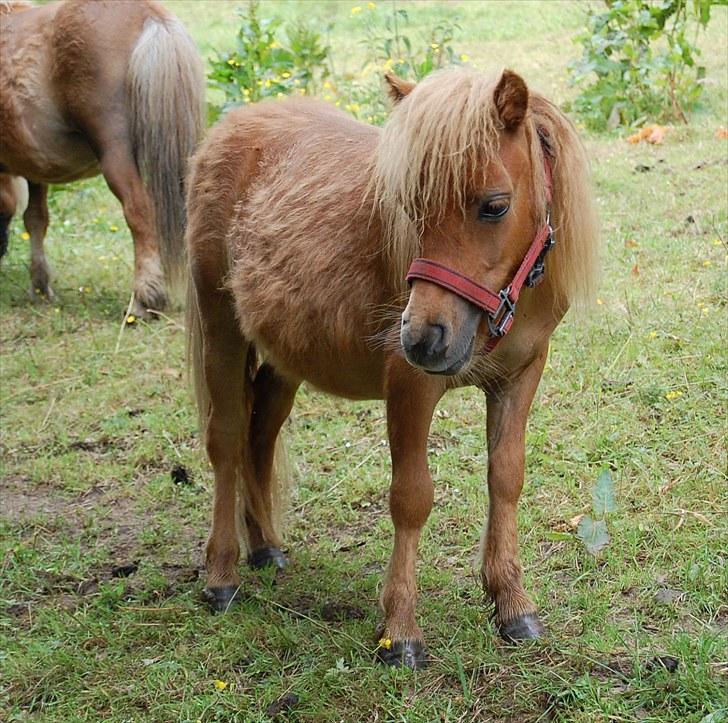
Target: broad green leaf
(718, 716)
(603, 498)
(593, 534)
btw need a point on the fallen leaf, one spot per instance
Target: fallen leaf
(652, 134)
(630, 243)
(635, 270)
(657, 135)
(721, 133)
(574, 521)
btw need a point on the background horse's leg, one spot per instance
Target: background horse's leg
(515, 614)
(35, 219)
(122, 177)
(274, 397)
(411, 399)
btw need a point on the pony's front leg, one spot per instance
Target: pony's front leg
(508, 407)
(411, 398)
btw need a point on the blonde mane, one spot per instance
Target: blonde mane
(447, 131)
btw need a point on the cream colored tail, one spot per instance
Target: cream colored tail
(166, 87)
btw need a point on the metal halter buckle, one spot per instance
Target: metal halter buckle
(535, 275)
(500, 321)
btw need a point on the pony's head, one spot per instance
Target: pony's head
(460, 181)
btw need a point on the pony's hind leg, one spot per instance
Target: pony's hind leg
(273, 401)
(35, 220)
(411, 399)
(227, 380)
(515, 615)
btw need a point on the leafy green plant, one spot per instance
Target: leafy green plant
(391, 46)
(269, 60)
(638, 62)
(593, 532)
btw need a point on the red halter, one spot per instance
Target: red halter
(499, 307)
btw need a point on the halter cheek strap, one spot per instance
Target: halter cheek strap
(499, 307)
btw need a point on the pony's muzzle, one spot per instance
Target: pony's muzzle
(438, 345)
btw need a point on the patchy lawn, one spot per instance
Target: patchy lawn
(100, 612)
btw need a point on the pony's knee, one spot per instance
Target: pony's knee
(410, 499)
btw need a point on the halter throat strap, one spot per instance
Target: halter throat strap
(499, 307)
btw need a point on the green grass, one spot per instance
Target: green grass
(94, 420)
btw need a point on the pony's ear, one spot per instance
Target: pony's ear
(511, 99)
(398, 88)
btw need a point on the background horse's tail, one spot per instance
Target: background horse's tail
(165, 85)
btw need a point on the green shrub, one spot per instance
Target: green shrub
(269, 60)
(391, 46)
(638, 63)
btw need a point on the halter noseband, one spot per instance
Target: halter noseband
(499, 307)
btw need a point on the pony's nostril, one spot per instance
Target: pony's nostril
(435, 339)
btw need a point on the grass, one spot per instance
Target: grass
(90, 435)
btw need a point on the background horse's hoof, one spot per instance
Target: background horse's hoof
(221, 598)
(41, 294)
(405, 654)
(524, 627)
(267, 557)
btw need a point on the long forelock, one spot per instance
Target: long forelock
(433, 143)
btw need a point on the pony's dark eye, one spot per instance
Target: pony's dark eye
(493, 209)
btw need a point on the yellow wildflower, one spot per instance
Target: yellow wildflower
(113, 227)
(600, 302)
(672, 396)
(327, 85)
(220, 684)
(464, 58)
(285, 74)
(653, 335)
(355, 10)
(434, 46)
(371, 6)
(25, 236)
(131, 319)
(385, 643)
(707, 262)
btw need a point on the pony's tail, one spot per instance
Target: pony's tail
(165, 86)
(249, 500)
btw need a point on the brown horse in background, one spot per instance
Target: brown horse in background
(95, 86)
(302, 225)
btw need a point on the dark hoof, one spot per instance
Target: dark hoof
(524, 627)
(404, 654)
(267, 557)
(221, 598)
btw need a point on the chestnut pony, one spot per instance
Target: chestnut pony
(303, 224)
(89, 87)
